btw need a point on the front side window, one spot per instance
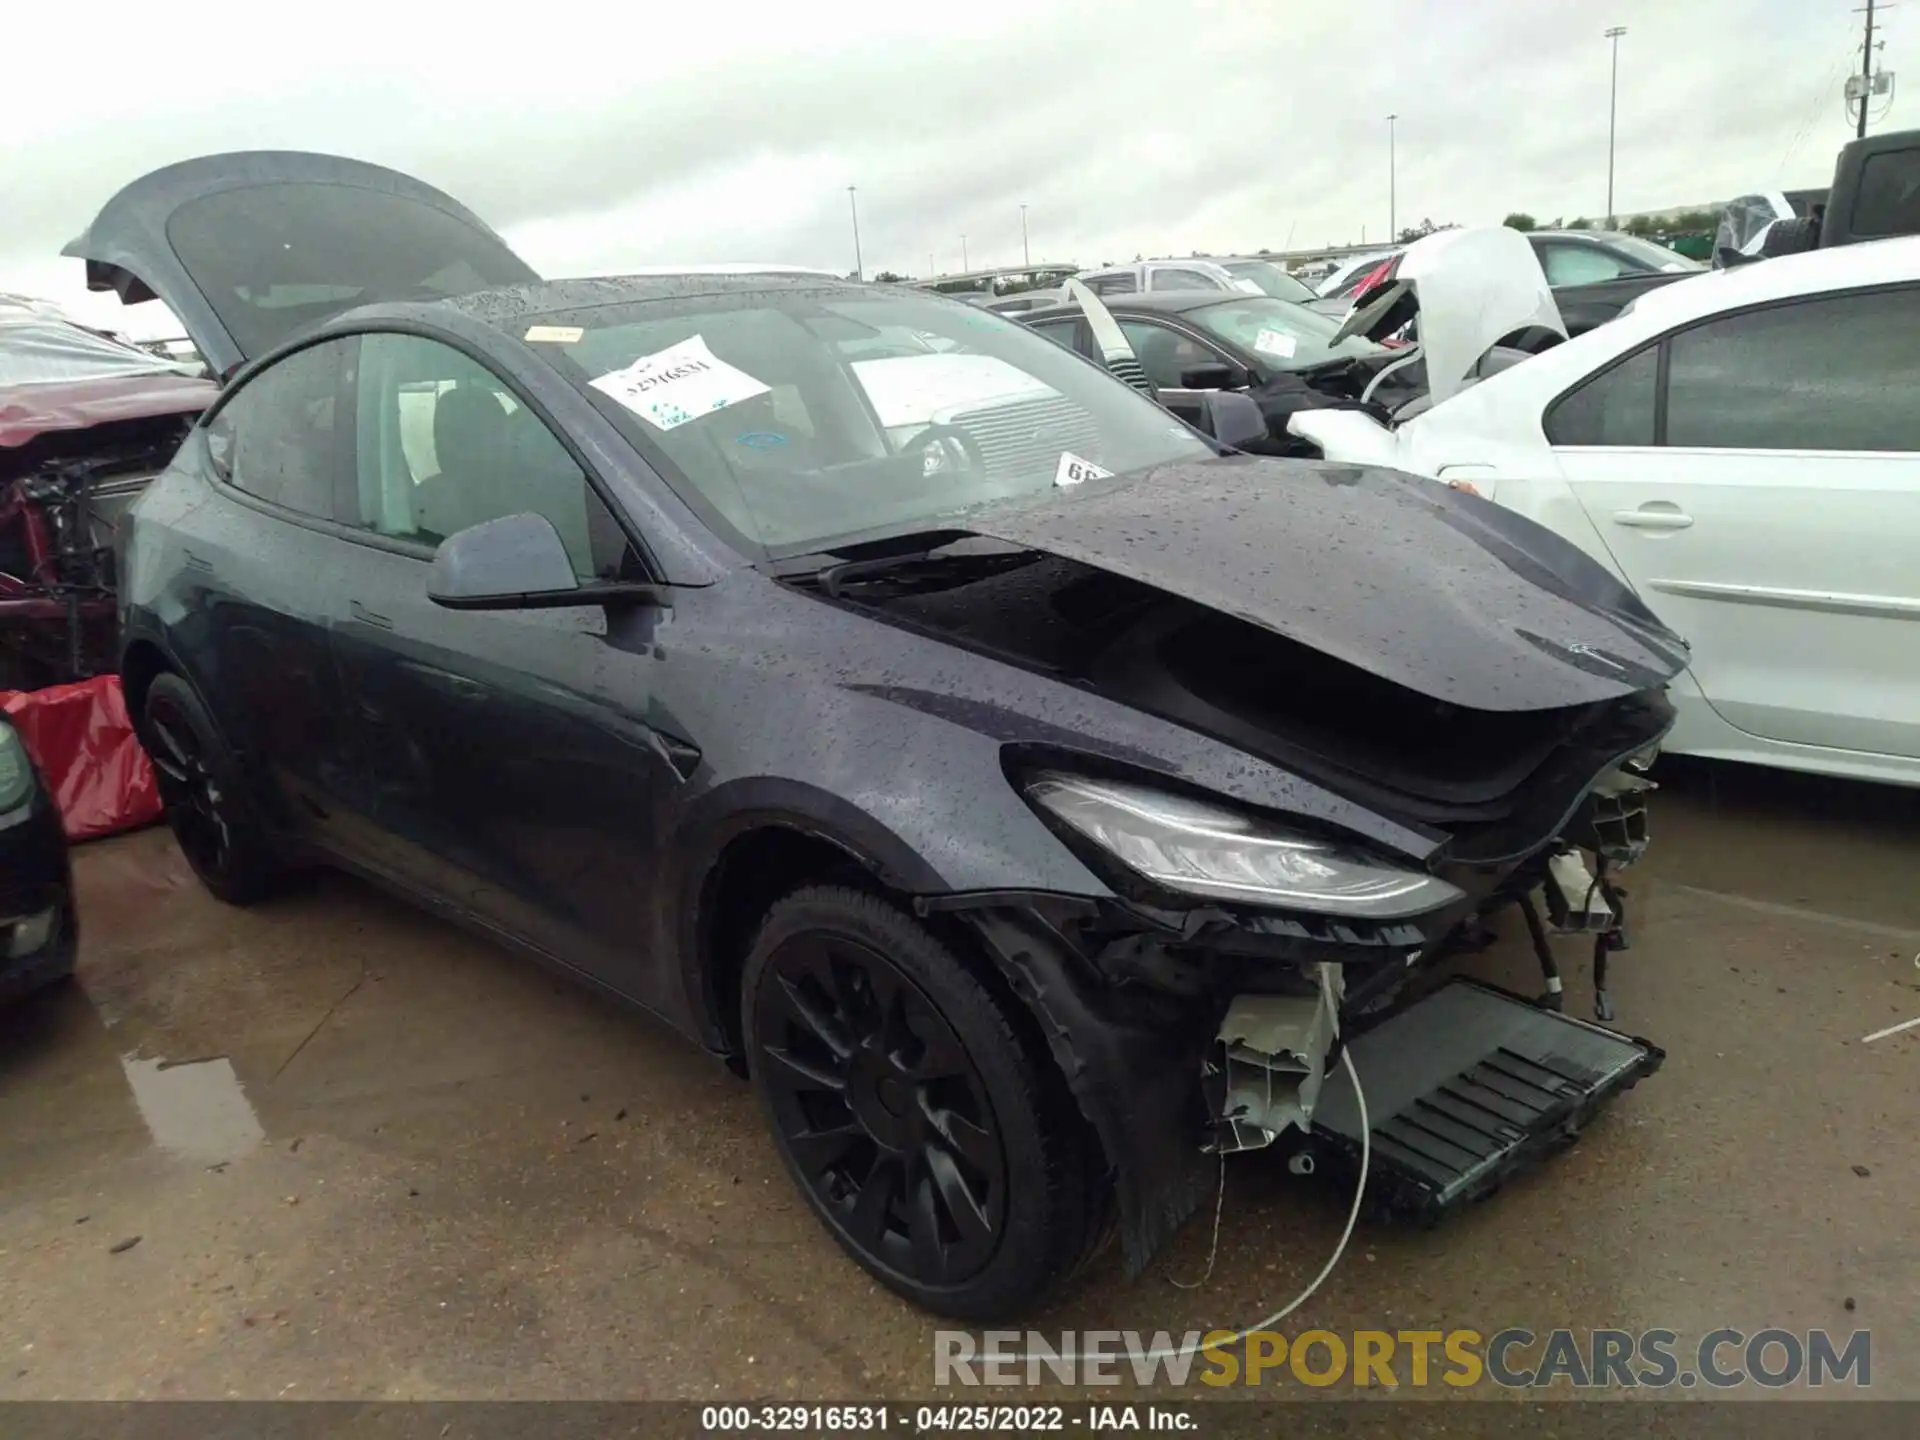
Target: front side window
(1165, 354)
(775, 412)
(442, 443)
(1576, 264)
(1833, 373)
(276, 439)
(1615, 407)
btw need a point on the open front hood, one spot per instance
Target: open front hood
(249, 249)
(1443, 593)
(1471, 289)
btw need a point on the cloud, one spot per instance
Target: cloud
(598, 138)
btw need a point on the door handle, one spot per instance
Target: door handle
(367, 617)
(1654, 515)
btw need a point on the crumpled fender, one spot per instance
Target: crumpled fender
(1132, 1058)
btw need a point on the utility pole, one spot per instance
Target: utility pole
(1025, 258)
(1866, 75)
(1393, 180)
(1612, 33)
(859, 270)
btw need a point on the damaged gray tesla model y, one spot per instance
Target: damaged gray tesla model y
(1034, 796)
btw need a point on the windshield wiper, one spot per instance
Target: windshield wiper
(887, 577)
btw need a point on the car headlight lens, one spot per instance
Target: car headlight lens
(16, 770)
(1201, 849)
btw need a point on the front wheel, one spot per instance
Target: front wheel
(932, 1138)
(212, 818)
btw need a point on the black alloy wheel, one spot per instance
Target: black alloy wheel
(200, 790)
(907, 1108)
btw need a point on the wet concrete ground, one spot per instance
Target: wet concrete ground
(362, 1154)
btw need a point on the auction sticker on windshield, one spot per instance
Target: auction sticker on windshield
(1072, 470)
(678, 384)
(1276, 342)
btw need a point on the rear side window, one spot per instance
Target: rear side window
(1122, 284)
(1061, 332)
(1166, 355)
(278, 437)
(1889, 198)
(1835, 373)
(1182, 280)
(1615, 407)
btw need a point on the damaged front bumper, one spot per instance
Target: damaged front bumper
(1189, 1032)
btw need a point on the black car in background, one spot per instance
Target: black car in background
(39, 932)
(1594, 274)
(1285, 357)
(891, 700)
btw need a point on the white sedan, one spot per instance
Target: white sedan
(1743, 448)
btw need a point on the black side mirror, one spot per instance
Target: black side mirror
(1220, 376)
(1232, 418)
(514, 563)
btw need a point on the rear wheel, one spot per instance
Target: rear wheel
(216, 826)
(930, 1135)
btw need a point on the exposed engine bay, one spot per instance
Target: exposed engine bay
(1238, 1013)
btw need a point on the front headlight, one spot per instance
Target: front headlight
(16, 770)
(1201, 849)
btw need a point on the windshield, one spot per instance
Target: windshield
(799, 419)
(1284, 336)
(1651, 255)
(1271, 279)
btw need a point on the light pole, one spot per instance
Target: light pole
(853, 206)
(1393, 180)
(1025, 258)
(1866, 74)
(963, 254)
(1613, 34)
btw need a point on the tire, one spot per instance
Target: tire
(1792, 236)
(934, 1140)
(212, 818)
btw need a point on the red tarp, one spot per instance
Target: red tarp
(80, 738)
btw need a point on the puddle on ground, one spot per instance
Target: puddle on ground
(195, 1110)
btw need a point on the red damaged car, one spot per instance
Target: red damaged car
(85, 422)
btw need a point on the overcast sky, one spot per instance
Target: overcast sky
(599, 136)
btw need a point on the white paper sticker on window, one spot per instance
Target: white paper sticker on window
(678, 384)
(1276, 342)
(1072, 470)
(553, 334)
